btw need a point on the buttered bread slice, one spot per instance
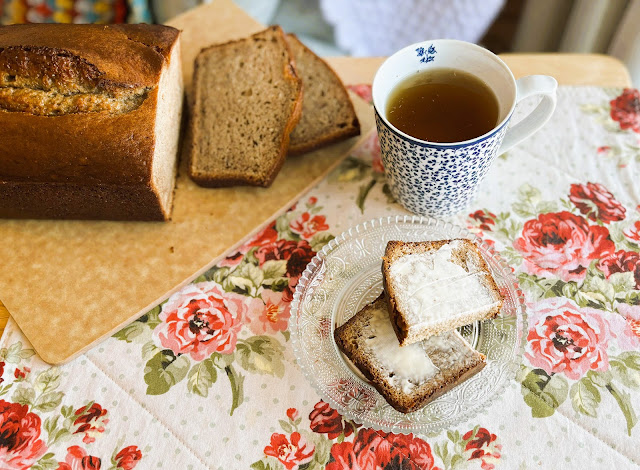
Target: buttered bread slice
(436, 286)
(407, 377)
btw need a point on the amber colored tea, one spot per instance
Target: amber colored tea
(443, 105)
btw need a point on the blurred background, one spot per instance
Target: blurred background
(380, 27)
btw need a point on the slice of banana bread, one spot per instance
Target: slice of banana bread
(407, 377)
(436, 286)
(247, 100)
(328, 115)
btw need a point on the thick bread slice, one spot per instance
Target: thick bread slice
(247, 100)
(455, 361)
(327, 112)
(428, 295)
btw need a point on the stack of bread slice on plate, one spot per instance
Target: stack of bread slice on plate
(406, 342)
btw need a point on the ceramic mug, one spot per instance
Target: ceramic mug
(441, 179)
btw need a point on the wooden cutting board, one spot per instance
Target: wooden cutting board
(68, 284)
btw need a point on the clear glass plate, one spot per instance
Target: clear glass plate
(345, 276)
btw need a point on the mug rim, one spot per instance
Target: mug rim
(461, 143)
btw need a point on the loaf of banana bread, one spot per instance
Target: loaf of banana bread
(89, 121)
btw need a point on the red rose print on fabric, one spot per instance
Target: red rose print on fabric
(344, 457)
(596, 202)
(363, 91)
(78, 459)
(621, 262)
(292, 414)
(21, 374)
(625, 326)
(264, 237)
(631, 331)
(625, 109)
(297, 254)
(375, 449)
(308, 226)
(201, 319)
(272, 316)
(20, 443)
(482, 445)
(128, 458)
(91, 421)
(326, 420)
(292, 453)
(1, 371)
(567, 339)
(633, 232)
(484, 220)
(562, 244)
(232, 260)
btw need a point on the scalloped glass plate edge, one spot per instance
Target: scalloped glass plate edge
(317, 264)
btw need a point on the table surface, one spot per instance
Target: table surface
(569, 69)
(563, 211)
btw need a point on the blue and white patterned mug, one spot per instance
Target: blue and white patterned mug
(441, 179)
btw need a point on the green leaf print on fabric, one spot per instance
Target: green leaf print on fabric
(130, 332)
(236, 381)
(163, 371)
(262, 355)
(201, 377)
(530, 202)
(14, 354)
(624, 370)
(246, 280)
(544, 393)
(319, 241)
(48, 401)
(585, 397)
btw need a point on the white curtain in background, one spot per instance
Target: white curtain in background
(600, 26)
(381, 27)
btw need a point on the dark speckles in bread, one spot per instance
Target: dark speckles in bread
(247, 100)
(327, 112)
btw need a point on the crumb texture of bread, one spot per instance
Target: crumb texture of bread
(407, 377)
(437, 286)
(247, 100)
(89, 121)
(328, 115)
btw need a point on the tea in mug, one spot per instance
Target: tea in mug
(443, 105)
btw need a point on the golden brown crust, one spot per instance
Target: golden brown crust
(97, 150)
(393, 251)
(335, 135)
(125, 54)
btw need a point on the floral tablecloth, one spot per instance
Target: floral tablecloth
(207, 380)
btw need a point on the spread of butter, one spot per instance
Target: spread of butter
(410, 365)
(430, 288)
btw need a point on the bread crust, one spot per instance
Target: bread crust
(334, 136)
(346, 337)
(291, 76)
(393, 251)
(71, 156)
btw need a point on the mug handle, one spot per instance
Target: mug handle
(527, 86)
